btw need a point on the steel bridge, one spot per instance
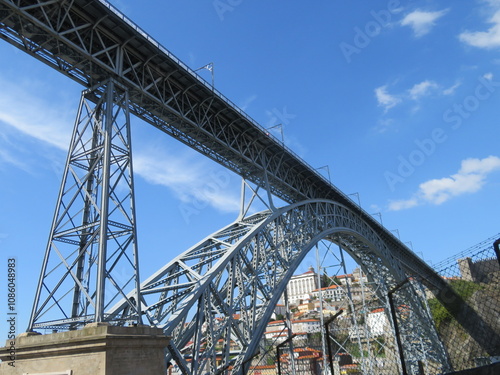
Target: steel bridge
(243, 268)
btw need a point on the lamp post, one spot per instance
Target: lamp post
(280, 127)
(379, 216)
(327, 167)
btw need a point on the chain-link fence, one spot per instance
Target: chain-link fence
(408, 330)
(465, 314)
(362, 342)
(474, 275)
(355, 341)
(419, 347)
(296, 354)
(355, 337)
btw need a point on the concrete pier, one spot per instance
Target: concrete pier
(97, 349)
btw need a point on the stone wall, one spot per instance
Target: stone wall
(97, 349)
(479, 271)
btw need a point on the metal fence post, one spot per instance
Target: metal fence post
(396, 326)
(328, 337)
(496, 246)
(278, 351)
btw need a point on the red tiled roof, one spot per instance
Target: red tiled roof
(326, 288)
(343, 276)
(275, 322)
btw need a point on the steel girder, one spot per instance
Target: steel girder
(90, 41)
(215, 299)
(91, 257)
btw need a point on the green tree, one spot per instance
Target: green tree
(327, 281)
(465, 289)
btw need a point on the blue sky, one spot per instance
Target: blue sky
(399, 98)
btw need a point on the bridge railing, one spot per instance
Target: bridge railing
(154, 42)
(209, 86)
(265, 131)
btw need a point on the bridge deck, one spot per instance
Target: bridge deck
(91, 41)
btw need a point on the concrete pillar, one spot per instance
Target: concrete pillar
(97, 349)
(466, 272)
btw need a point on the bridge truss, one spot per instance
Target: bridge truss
(216, 298)
(240, 270)
(91, 258)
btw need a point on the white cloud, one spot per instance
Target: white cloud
(34, 117)
(488, 76)
(384, 125)
(28, 123)
(384, 99)
(451, 90)
(422, 89)
(416, 92)
(191, 181)
(246, 103)
(402, 204)
(438, 191)
(484, 39)
(481, 166)
(422, 22)
(469, 179)
(7, 157)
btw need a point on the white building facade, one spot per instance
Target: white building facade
(377, 322)
(300, 287)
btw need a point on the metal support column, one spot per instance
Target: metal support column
(396, 326)
(496, 247)
(320, 293)
(327, 330)
(91, 258)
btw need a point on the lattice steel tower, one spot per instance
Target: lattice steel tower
(91, 257)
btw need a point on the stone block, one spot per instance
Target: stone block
(97, 349)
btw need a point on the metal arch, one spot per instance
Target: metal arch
(216, 298)
(66, 49)
(62, 34)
